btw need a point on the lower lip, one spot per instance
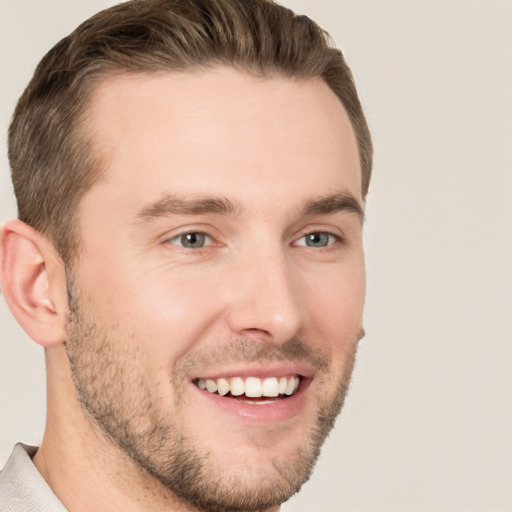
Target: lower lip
(274, 412)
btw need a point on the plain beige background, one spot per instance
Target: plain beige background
(428, 423)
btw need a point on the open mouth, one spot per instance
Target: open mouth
(252, 389)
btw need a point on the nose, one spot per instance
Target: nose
(265, 296)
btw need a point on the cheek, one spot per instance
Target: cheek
(166, 312)
(335, 310)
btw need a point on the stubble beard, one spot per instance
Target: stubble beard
(119, 394)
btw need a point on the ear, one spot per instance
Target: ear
(33, 280)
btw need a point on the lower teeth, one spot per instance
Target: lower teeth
(256, 399)
(257, 402)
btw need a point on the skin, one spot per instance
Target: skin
(149, 315)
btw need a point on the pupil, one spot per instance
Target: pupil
(193, 240)
(317, 239)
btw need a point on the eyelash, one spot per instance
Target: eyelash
(189, 234)
(333, 240)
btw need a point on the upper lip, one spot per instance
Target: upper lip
(262, 371)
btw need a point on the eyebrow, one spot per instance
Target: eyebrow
(174, 205)
(344, 201)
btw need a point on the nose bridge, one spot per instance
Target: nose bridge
(265, 300)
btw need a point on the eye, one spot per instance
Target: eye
(191, 240)
(318, 239)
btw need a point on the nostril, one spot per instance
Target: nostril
(257, 334)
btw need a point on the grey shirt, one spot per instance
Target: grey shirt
(22, 488)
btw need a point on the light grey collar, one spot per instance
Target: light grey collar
(22, 488)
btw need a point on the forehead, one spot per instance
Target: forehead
(218, 131)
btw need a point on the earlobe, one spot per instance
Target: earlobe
(33, 282)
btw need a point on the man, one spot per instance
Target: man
(191, 178)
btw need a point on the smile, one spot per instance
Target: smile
(256, 394)
(251, 387)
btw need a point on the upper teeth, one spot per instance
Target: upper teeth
(251, 386)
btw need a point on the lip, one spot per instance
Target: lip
(275, 412)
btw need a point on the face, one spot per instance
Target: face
(216, 302)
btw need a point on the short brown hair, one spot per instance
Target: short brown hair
(52, 163)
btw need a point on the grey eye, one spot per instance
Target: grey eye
(191, 240)
(318, 239)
